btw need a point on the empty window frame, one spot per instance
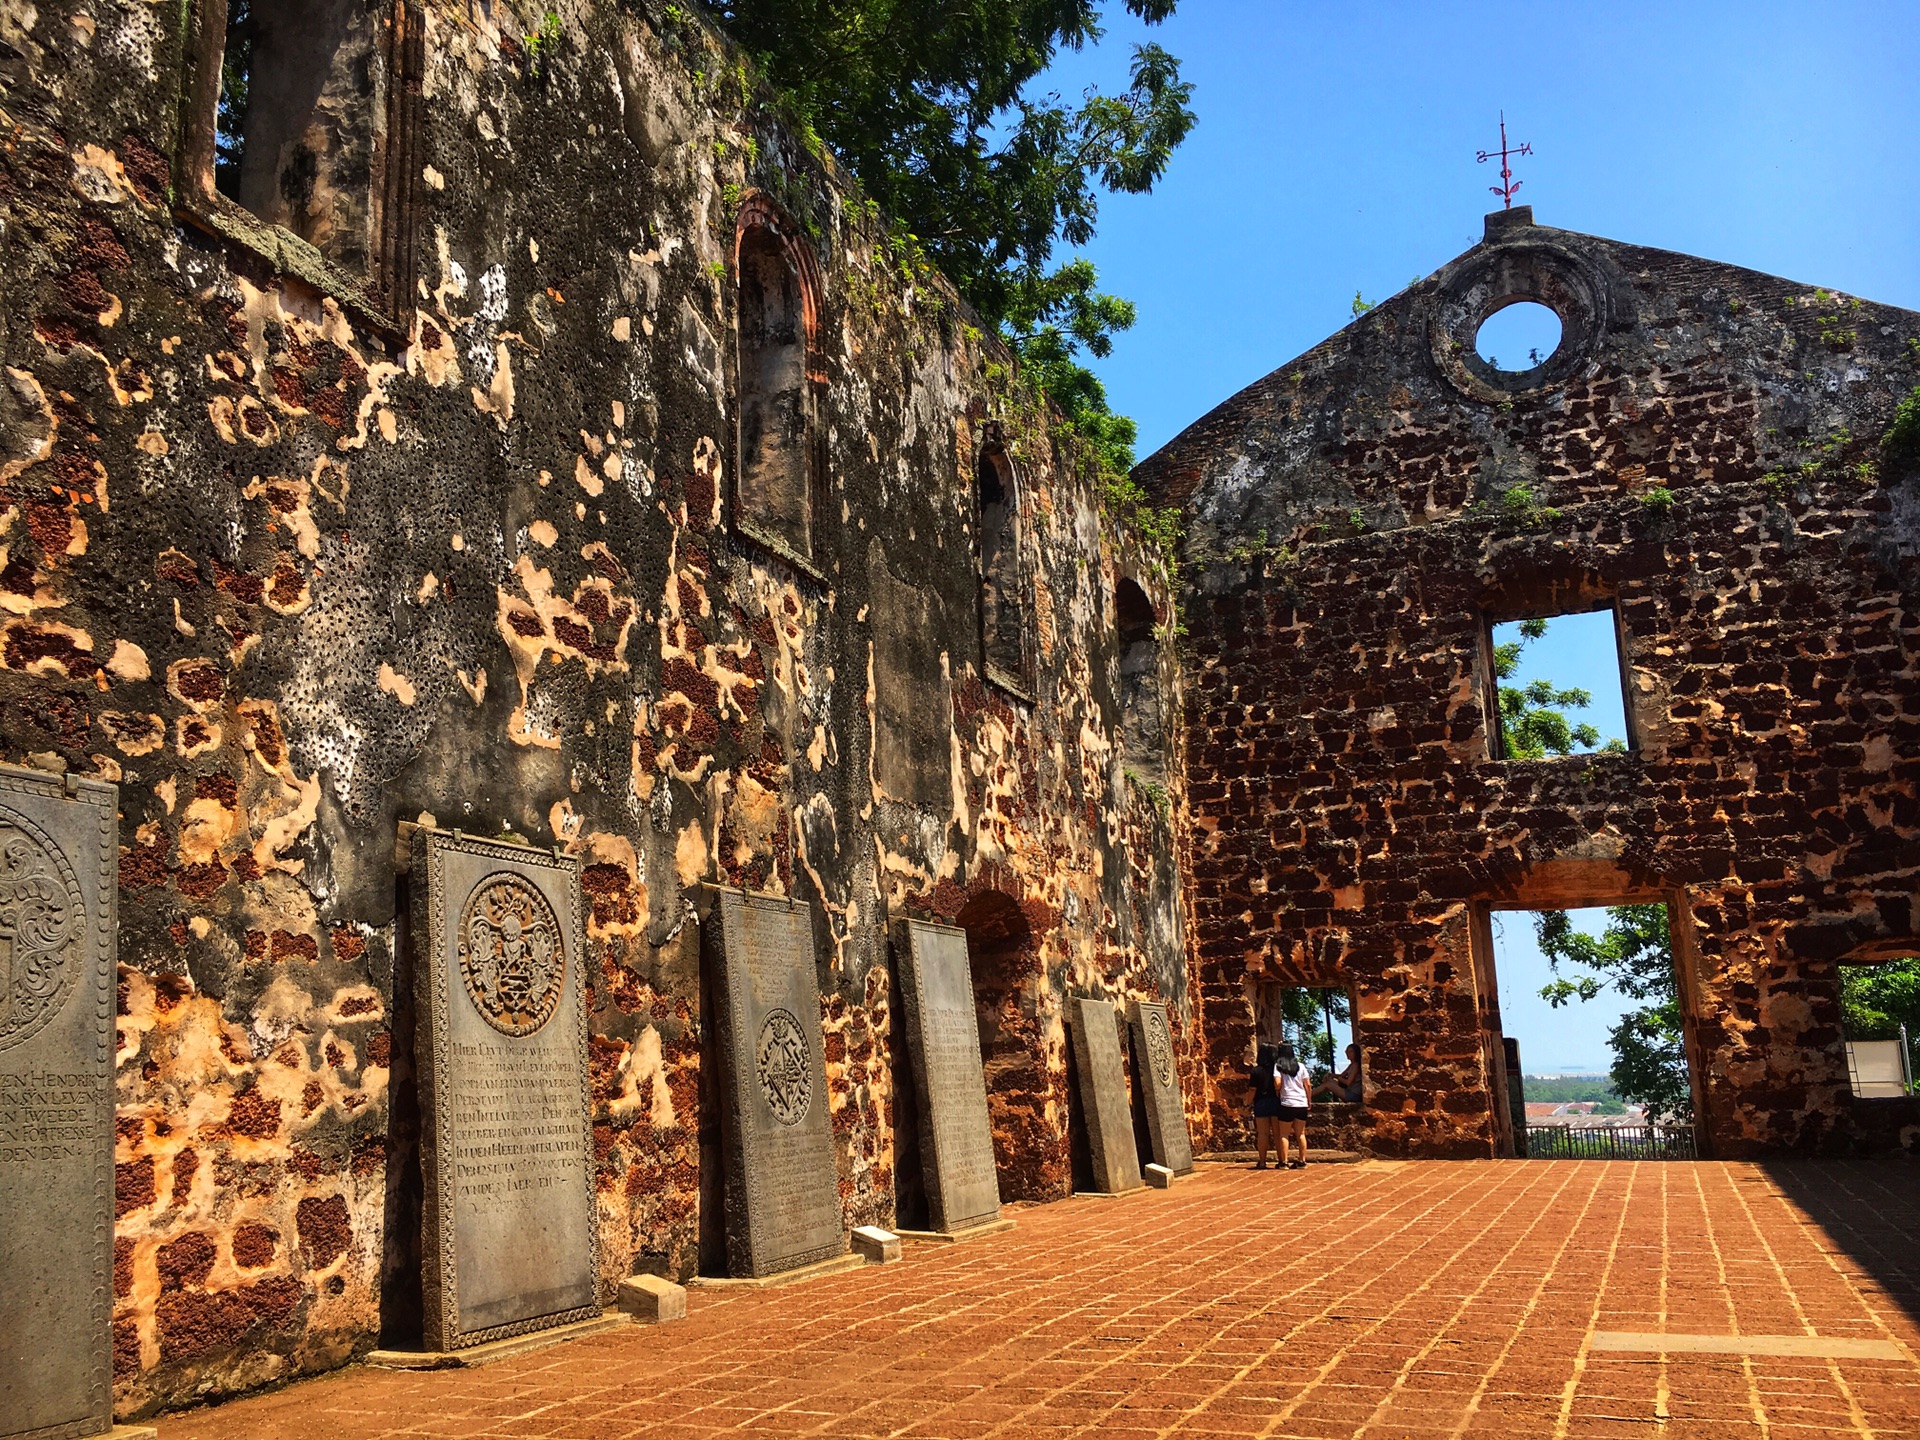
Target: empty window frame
(1880, 1020)
(781, 478)
(1003, 606)
(297, 135)
(1143, 738)
(1556, 685)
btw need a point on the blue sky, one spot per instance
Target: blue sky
(1570, 1040)
(1335, 152)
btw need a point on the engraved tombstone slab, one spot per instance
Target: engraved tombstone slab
(1155, 1072)
(58, 882)
(510, 1239)
(1103, 1094)
(956, 1134)
(783, 1192)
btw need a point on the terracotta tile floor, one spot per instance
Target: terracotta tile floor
(1378, 1300)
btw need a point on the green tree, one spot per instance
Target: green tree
(929, 103)
(1876, 1000)
(1533, 719)
(1635, 958)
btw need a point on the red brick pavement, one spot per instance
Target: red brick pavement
(1378, 1300)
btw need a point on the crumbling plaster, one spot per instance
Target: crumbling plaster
(292, 581)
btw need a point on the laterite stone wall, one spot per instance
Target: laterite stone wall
(1702, 453)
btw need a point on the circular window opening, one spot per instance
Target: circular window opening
(1519, 337)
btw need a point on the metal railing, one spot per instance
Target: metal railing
(1610, 1142)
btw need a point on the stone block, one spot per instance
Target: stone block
(876, 1246)
(1158, 1176)
(783, 1196)
(510, 1242)
(58, 872)
(652, 1300)
(955, 1132)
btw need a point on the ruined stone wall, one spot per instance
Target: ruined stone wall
(296, 559)
(1704, 453)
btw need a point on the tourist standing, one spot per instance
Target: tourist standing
(1291, 1090)
(1266, 1102)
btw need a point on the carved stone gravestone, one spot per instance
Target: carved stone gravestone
(943, 1037)
(1155, 1072)
(1103, 1094)
(510, 1242)
(58, 881)
(783, 1194)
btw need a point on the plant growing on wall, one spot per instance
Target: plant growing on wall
(1633, 956)
(928, 103)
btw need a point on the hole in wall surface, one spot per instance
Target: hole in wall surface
(1518, 337)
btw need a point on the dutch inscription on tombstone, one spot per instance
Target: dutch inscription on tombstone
(58, 877)
(943, 1036)
(1103, 1094)
(1157, 1075)
(783, 1194)
(510, 1241)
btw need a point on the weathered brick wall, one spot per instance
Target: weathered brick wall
(292, 583)
(1705, 455)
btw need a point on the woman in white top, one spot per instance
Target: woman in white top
(1293, 1086)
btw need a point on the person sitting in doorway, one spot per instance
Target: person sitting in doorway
(1343, 1086)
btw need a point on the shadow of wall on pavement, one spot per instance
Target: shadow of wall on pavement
(1869, 1211)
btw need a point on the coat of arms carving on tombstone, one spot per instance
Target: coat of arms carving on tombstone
(1157, 1075)
(58, 886)
(510, 1236)
(782, 1189)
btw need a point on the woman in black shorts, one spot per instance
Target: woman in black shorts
(1291, 1089)
(1266, 1101)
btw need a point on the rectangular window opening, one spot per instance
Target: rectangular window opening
(1318, 1024)
(298, 141)
(1559, 686)
(1880, 1018)
(1589, 1003)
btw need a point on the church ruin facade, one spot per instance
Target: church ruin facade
(1702, 459)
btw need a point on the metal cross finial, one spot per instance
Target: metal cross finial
(1507, 184)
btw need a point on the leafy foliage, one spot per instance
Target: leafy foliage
(927, 101)
(1533, 719)
(1634, 957)
(1876, 1000)
(1303, 1016)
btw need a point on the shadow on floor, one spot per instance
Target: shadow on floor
(1870, 1210)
